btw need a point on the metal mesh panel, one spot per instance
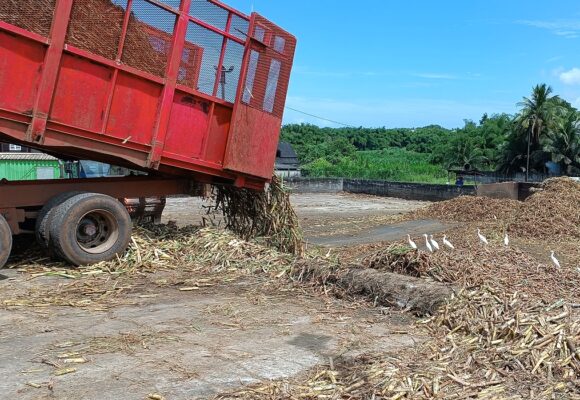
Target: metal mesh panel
(32, 15)
(96, 26)
(269, 68)
(190, 66)
(149, 37)
(209, 13)
(211, 44)
(239, 27)
(234, 56)
(171, 3)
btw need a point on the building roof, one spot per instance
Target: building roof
(285, 150)
(26, 157)
(286, 157)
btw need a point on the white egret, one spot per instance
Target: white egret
(555, 260)
(411, 243)
(427, 243)
(482, 238)
(506, 240)
(448, 243)
(434, 243)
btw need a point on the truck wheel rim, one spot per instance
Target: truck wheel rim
(97, 231)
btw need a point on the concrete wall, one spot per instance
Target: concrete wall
(507, 190)
(315, 185)
(408, 191)
(495, 177)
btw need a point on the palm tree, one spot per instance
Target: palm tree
(538, 113)
(538, 116)
(564, 142)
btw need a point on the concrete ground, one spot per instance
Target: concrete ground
(158, 340)
(182, 345)
(332, 219)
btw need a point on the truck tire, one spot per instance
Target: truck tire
(89, 228)
(44, 218)
(5, 241)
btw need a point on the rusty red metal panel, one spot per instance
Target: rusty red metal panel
(50, 70)
(252, 147)
(81, 91)
(20, 62)
(37, 193)
(168, 93)
(259, 108)
(134, 109)
(217, 138)
(187, 112)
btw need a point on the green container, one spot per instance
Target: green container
(28, 166)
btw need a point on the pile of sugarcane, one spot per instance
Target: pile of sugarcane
(267, 215)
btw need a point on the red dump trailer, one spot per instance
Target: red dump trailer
(190, 91)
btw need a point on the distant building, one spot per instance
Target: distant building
(15, 148)
(25, 166)
(287, 164)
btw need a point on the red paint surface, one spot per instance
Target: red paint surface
(254, 137)
(134, 109)
(217, 137)
(20, 62)
(187, 126)
(69, 102)
(71, 105)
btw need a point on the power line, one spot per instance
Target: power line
(318, 117)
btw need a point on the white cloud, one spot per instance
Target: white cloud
(571, 77)
(569, 29)
(553, 59)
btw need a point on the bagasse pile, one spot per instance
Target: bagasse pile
(95, 26)
(551, 212)
(471, 208)
(554, 211)
(503, 268)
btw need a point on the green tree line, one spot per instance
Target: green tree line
(546, 124)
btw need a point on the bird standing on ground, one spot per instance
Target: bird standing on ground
(506, 240)
(427, 243)
(434, 243)
(448, 243)
(411, 243)
(482, 238)
(555, 260)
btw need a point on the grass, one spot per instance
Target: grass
(392, 164)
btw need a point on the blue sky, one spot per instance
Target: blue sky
(412, 63)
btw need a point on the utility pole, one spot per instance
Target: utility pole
(532, 126)
(223, 80)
